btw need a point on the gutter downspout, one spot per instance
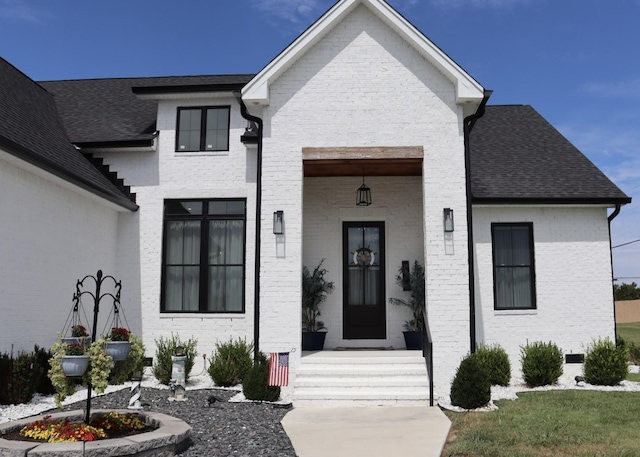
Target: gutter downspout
(469, 122)
(611, 217)
(256, 296)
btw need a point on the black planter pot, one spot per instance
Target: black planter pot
(313, 341)
(413, 340)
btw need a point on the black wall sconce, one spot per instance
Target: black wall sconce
(278, 222)
(448, 219)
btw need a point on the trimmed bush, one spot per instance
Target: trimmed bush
(606, 364)
(165, 349)
(496, 362)
(231, 362)
(255, 382)
(40, 369)
(17, 379)
(634, 349)
(541, 363)
(471, 387)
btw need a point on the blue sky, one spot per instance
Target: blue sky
(576, 61)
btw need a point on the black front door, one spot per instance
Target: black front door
(363, 271)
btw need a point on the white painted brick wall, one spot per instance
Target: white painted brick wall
(167, 174)
(362, 85)
(51, 237)
(573, 280)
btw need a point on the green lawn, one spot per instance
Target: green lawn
(630, 332)
(550, 424)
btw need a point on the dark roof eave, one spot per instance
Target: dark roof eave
(552, 200)
(24, 154)
(115, 144)
(222, 87)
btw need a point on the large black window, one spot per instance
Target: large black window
(204, 256)
(203, 129)
(513, 266)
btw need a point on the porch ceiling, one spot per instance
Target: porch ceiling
(356, 161)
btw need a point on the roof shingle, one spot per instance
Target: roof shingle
(516, 155)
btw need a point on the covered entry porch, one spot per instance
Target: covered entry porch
(363, 246)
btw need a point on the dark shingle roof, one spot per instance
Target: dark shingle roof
(516, 155)
(102, 111)
(31, 129)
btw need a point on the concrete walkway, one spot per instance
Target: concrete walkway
(374, 431)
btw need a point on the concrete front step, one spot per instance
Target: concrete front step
(374, 381)
(362, 377)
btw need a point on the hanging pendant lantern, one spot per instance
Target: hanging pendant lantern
(363, 196)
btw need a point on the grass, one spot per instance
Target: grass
(565, 423)
(629, 332)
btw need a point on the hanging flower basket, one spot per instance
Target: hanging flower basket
(82, 341)
(75, 365)
(119, 350)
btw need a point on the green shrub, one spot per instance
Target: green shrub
(471, 387)
(496, 362)
(40, 370)
(165, 349)
(17, 379)
(231, 362)
(541, 363)
(255, 382)
(606, 364)
(634, 349)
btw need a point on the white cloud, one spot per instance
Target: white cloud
(18, 10)
(293, 11)
(630, 88)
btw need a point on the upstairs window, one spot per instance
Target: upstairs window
(513, 266)
(203, 261)
(203, 129)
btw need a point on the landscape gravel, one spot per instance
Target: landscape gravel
(224, 423)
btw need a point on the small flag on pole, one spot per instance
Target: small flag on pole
(279, 369)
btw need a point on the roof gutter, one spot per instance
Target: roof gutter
(611, 217)
(256, 296)
(469, 122)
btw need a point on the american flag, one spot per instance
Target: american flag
(279, 369)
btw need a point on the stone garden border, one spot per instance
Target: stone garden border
(170, 438)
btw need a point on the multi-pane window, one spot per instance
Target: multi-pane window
(513, 266)
(203, 129)
(204, 256)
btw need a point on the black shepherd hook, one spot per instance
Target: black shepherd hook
(97, 297)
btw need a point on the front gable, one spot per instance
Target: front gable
(467, 90)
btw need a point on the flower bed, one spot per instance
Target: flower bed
(103, 426)
(168, 436)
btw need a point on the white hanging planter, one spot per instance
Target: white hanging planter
(75, 365)
(119, 350)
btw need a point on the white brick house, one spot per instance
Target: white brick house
(360, 93)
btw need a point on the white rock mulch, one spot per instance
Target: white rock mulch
(566, 382)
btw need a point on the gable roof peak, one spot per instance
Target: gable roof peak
(467, 89)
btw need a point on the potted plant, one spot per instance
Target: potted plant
(97, 367)
(416, 303)
(117, 344)
(79, 336)
(74, 361)
(315, 289)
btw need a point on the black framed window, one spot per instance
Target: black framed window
(513, 266)
(203, 129)
(203, 260)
